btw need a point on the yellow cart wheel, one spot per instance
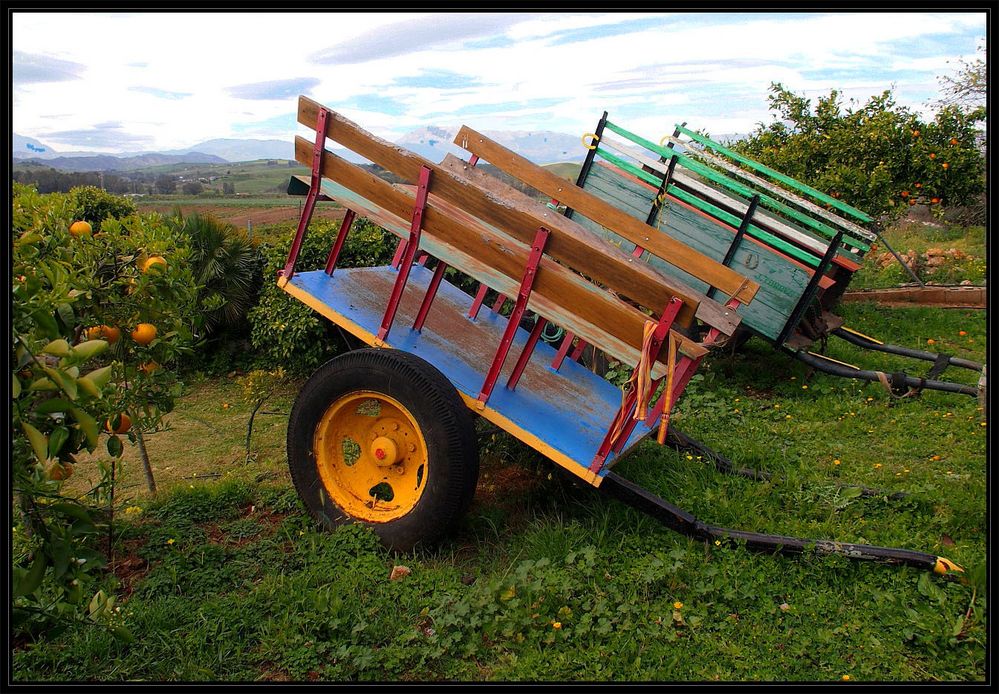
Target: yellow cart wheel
(381, 437)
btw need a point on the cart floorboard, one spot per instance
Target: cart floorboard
(563, 415)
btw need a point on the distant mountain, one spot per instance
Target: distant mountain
(432, 142)
(106, 162)
(540, 146)
(242, 150)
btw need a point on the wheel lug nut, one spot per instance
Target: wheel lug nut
(412, 448)
(395, 426)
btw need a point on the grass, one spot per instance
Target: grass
(228, 579)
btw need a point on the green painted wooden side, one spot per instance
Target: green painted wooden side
(637, 200)
(732, 220)
(781, 281)
(726, 181)
(797, 185)
(623, 193)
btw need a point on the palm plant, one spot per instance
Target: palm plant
(227, 268)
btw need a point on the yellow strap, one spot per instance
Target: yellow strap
(595, 139)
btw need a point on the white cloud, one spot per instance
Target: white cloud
(711, 69)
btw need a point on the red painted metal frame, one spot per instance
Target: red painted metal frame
(563, 350)
(616, 434)
(310, 200)
(348, 219)
(498, 304)
(399, 250)
(428, 298)
(530, 272)
(410, 252)
(480, 296)
(685, 368)
(525, 355)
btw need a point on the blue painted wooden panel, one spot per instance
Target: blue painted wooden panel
(570, 410)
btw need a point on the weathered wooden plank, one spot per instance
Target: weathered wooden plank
(489, 256)
(777, 190)
(590, 255)
(636, 231)
(709, 311)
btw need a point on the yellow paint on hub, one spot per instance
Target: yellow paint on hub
(346, 444)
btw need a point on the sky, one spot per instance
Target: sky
(127, 82)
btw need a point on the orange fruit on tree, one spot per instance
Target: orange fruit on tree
(953, 140)
(59, 470)
(80, 228)
(144, 333)
(148, 367)
(905, 193)
(919, 185)
(93, 333)
(933, 155)
(934, 201)
(153, 261)
(110, 333)
(124, 424)
(915, 133)
(945, 165)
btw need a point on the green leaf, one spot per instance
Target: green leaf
(72, 510)
(851, 492)
(39, 442)
(88, 424)
(64, 380)
(33, 578)
(57, 438)
(88, 387)
(115, 446)
(54, 405)
(57, 348)
(89, 349)
(43, 383)
(15, 387)
(99, 377)
(122, 633)
(47, 324)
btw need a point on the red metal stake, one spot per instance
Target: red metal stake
(411, 247)
(685, 369)
(614, 434)
(348, 219)
(424, 257)
(428, 298)
(530, 272)
(498, 304)
(399, 250)
(637, 253)
(525, 356)
(563, 350)
(480, 295)
(310, 200)
(578, 352)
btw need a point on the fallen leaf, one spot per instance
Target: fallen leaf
(946, 540)
(399, 572)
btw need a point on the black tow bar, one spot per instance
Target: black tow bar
(684, 523)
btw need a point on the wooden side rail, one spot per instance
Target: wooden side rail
(590, 255)
(709, 311)
(727, 280)
(491, 257)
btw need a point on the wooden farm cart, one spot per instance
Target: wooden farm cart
(802, 255)
(385, 436)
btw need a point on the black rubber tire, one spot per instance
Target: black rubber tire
(444, 421)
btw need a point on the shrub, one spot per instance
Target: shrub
(95, 205)
(878, 157)
(285, 331)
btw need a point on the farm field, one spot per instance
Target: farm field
(224, 577)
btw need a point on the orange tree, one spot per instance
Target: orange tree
(879, 156)
(83, 363)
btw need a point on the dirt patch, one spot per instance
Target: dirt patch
(128, 567)
(241, 216)
(505, 486)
